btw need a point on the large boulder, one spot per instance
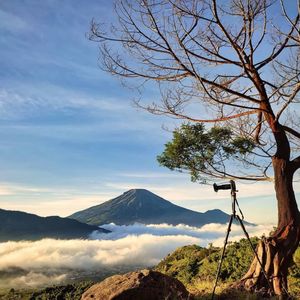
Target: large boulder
(140, 285)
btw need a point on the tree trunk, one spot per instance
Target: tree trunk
(276, 252)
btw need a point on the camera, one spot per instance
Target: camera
(226, 186)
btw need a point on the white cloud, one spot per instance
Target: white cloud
(51, 261)
(30, 97)
(180, 189)
(54, 200)
(13, 189)
(209, 233)
(150, 175)
(89, 254)
(33, 279)
(11, 22)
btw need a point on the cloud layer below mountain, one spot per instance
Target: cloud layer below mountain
(51, 261)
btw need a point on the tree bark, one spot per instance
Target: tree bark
(276, 252)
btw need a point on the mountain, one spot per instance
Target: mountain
(17, 225)
(142, 206)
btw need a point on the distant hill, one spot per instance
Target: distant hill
(17, 225)
(139, 205)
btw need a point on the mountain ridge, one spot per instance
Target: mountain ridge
(18, 225)
(143, 206)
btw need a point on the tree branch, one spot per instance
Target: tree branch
(291, 131)
(296, 163)
(221, 119)
(290, 100)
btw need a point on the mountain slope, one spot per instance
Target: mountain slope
(142, 206)
(17, 225)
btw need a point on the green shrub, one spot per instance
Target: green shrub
(196, 267)
(193, 262)
(183, 263)
(67, 292)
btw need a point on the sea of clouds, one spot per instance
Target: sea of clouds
(50, 261)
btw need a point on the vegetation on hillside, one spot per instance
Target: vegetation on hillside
(67, 292)
(196, 267)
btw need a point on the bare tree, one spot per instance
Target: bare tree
(234, 62)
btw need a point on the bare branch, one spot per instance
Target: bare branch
(289, 101)
(291, 131)
(229, 60)
(296, 163)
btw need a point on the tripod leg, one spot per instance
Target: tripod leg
(222, 256)
(254, 251)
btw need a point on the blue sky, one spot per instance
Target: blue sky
(70, 136)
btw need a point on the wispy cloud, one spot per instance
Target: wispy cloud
(56, 98)
(60, 113)
(46, 201)
(182, 189)
(12, 22)
(150, 175)
(12, 189)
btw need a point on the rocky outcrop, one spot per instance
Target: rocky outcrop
(140, 285)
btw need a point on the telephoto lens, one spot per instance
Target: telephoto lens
(221, 187)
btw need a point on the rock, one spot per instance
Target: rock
(140, 285)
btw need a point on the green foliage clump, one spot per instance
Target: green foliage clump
(184, 263)
(197, 150)
(67, 292)
(13, 294)
(297, 257)
(191, 263)
(238, 257)
(294, 274)
(72, 291)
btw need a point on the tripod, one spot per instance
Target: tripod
(234, 216)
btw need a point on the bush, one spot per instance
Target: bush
(196, 267)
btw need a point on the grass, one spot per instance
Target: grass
(202, 290)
